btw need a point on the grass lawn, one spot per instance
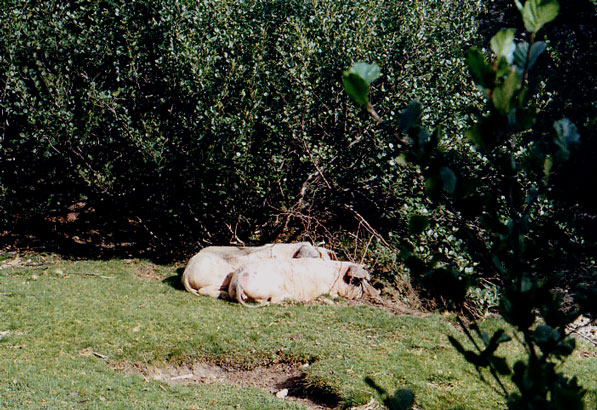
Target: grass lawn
(69, 328)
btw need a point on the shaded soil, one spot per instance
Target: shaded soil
(78, 231)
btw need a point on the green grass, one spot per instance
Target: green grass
(55, 311)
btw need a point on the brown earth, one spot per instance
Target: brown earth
(286, 381)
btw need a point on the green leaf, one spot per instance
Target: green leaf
(567, 136)
(502, 94)
(515, 310)
(536, 50)
(537, 13)
(479, 68)
(525, 118)
(448, 283)
(547, 165)
(417, 224)
(586, 294)
(487, 133)
(526, 284)
(503, 45)
(401, 160)
(565, 347)
(475, 134)
(368, 72)
(421, 142)
(520, 55)
(449, 179)
(492, 222)
(356, 88)
(566, 131)
(431, 185)
(357, 80)
(410, 116)
(503, 68)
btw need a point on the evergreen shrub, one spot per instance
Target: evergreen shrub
(217, 121)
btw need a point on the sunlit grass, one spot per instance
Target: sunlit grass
(130, 312)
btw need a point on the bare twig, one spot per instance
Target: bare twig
(367, 225)
(182, 377)
(101, 356)
(235, 237)
(587, 338)
(576, 330)
(366, 249)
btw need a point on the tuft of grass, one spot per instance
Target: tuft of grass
(134, 313)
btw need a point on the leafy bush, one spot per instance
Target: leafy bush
(500, 210)
(218, 121)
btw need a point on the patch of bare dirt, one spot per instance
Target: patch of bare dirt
(83, 229)
(12, 259)
(285, 381)
(144, 270)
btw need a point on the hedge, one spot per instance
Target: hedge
(218, 121)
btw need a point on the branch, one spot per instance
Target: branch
(367, 225)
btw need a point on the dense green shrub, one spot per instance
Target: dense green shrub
(214, 121)
(564, 77)
(503, 211)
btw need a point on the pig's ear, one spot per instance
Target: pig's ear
(331, 255)
(355, 271)
(370, 290)
(306, 251)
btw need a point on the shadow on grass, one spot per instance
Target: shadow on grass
(174, 281)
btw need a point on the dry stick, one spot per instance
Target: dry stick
(577, 328)
(234, 235)
(356, 242)
(305, 186)
(149, 231)
(101, 356)
(182, 377)
(316, 166)
(308, 220)
(367, 225)
(318, 170)
(366, 249)
(594, 343)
